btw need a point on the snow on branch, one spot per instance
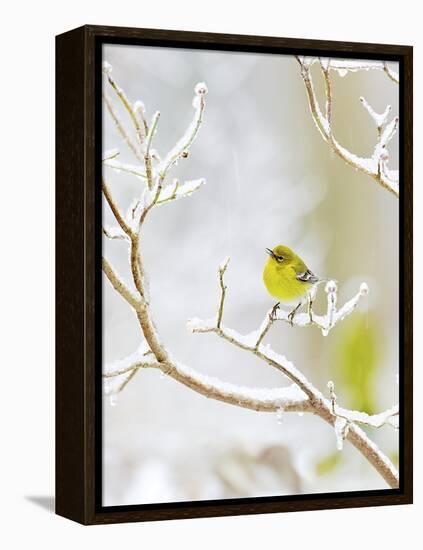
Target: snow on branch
(375, 166)
(300, 396)
(343, 420)
(151, 170)
(344, 66)
(178, 191)
(323, 322)
(180, 150)
(120, 126)
(114, 233)
(141, 357)
(125, 167)
(345, 417)
(140, 131)
(288, 398)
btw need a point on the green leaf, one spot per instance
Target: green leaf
(356, 361)
(328, 463)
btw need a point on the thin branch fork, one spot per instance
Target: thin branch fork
(310, 399)
(107, 70)
(319, 405)
(287, 399)
(375, 166)
(120, 127)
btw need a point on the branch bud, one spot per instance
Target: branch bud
(107, 68)
(201, 88)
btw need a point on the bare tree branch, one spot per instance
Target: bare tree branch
(222, 269)
(119, 285)
(318, 404)
(147, 154)
(120, 127)
(392, 74)
(107, 70)
(370, 166)
(114, 208)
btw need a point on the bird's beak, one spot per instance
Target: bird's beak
(270, 252)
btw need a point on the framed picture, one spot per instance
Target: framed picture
(234, 274)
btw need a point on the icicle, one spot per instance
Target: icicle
(107, 68)
(341, 431)
(279, 415)
(113, 399)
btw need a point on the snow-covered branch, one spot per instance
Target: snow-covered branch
(132, 169)
(140, 131)
(345, 417)
(323, 322)
(150, 168)
(394, 76)
(178, 191)
(289, 398)
(343, 420)
(300, 396)
(375, 166)
(180, 150)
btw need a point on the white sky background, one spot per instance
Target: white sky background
(270, 179)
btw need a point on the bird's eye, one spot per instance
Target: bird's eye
(279, 258)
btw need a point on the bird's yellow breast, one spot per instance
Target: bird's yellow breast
(281, 282)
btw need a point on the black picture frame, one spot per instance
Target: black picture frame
(78, 274)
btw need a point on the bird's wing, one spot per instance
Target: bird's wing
(307, 276)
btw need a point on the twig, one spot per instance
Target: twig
(114, 208)
(328, 89)
(183, 145)
(120, 127)
(178, 190)
(369, 166)
(345, 66)
(327, 322)
(392, 74)
(121, 167)
(111, 154)
(390, 416)
(147, 155)
(130, 368)
(119, 285)
(265, 327)
(107, 69)
(331, 388)
(127, 380)
(222, 269)
(114, 233)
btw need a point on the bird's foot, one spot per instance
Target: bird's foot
(272, 315)
(291, 315)
(310, 311)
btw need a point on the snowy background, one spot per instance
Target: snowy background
(270, 179)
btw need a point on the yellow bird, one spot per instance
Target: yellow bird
(288, 279)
